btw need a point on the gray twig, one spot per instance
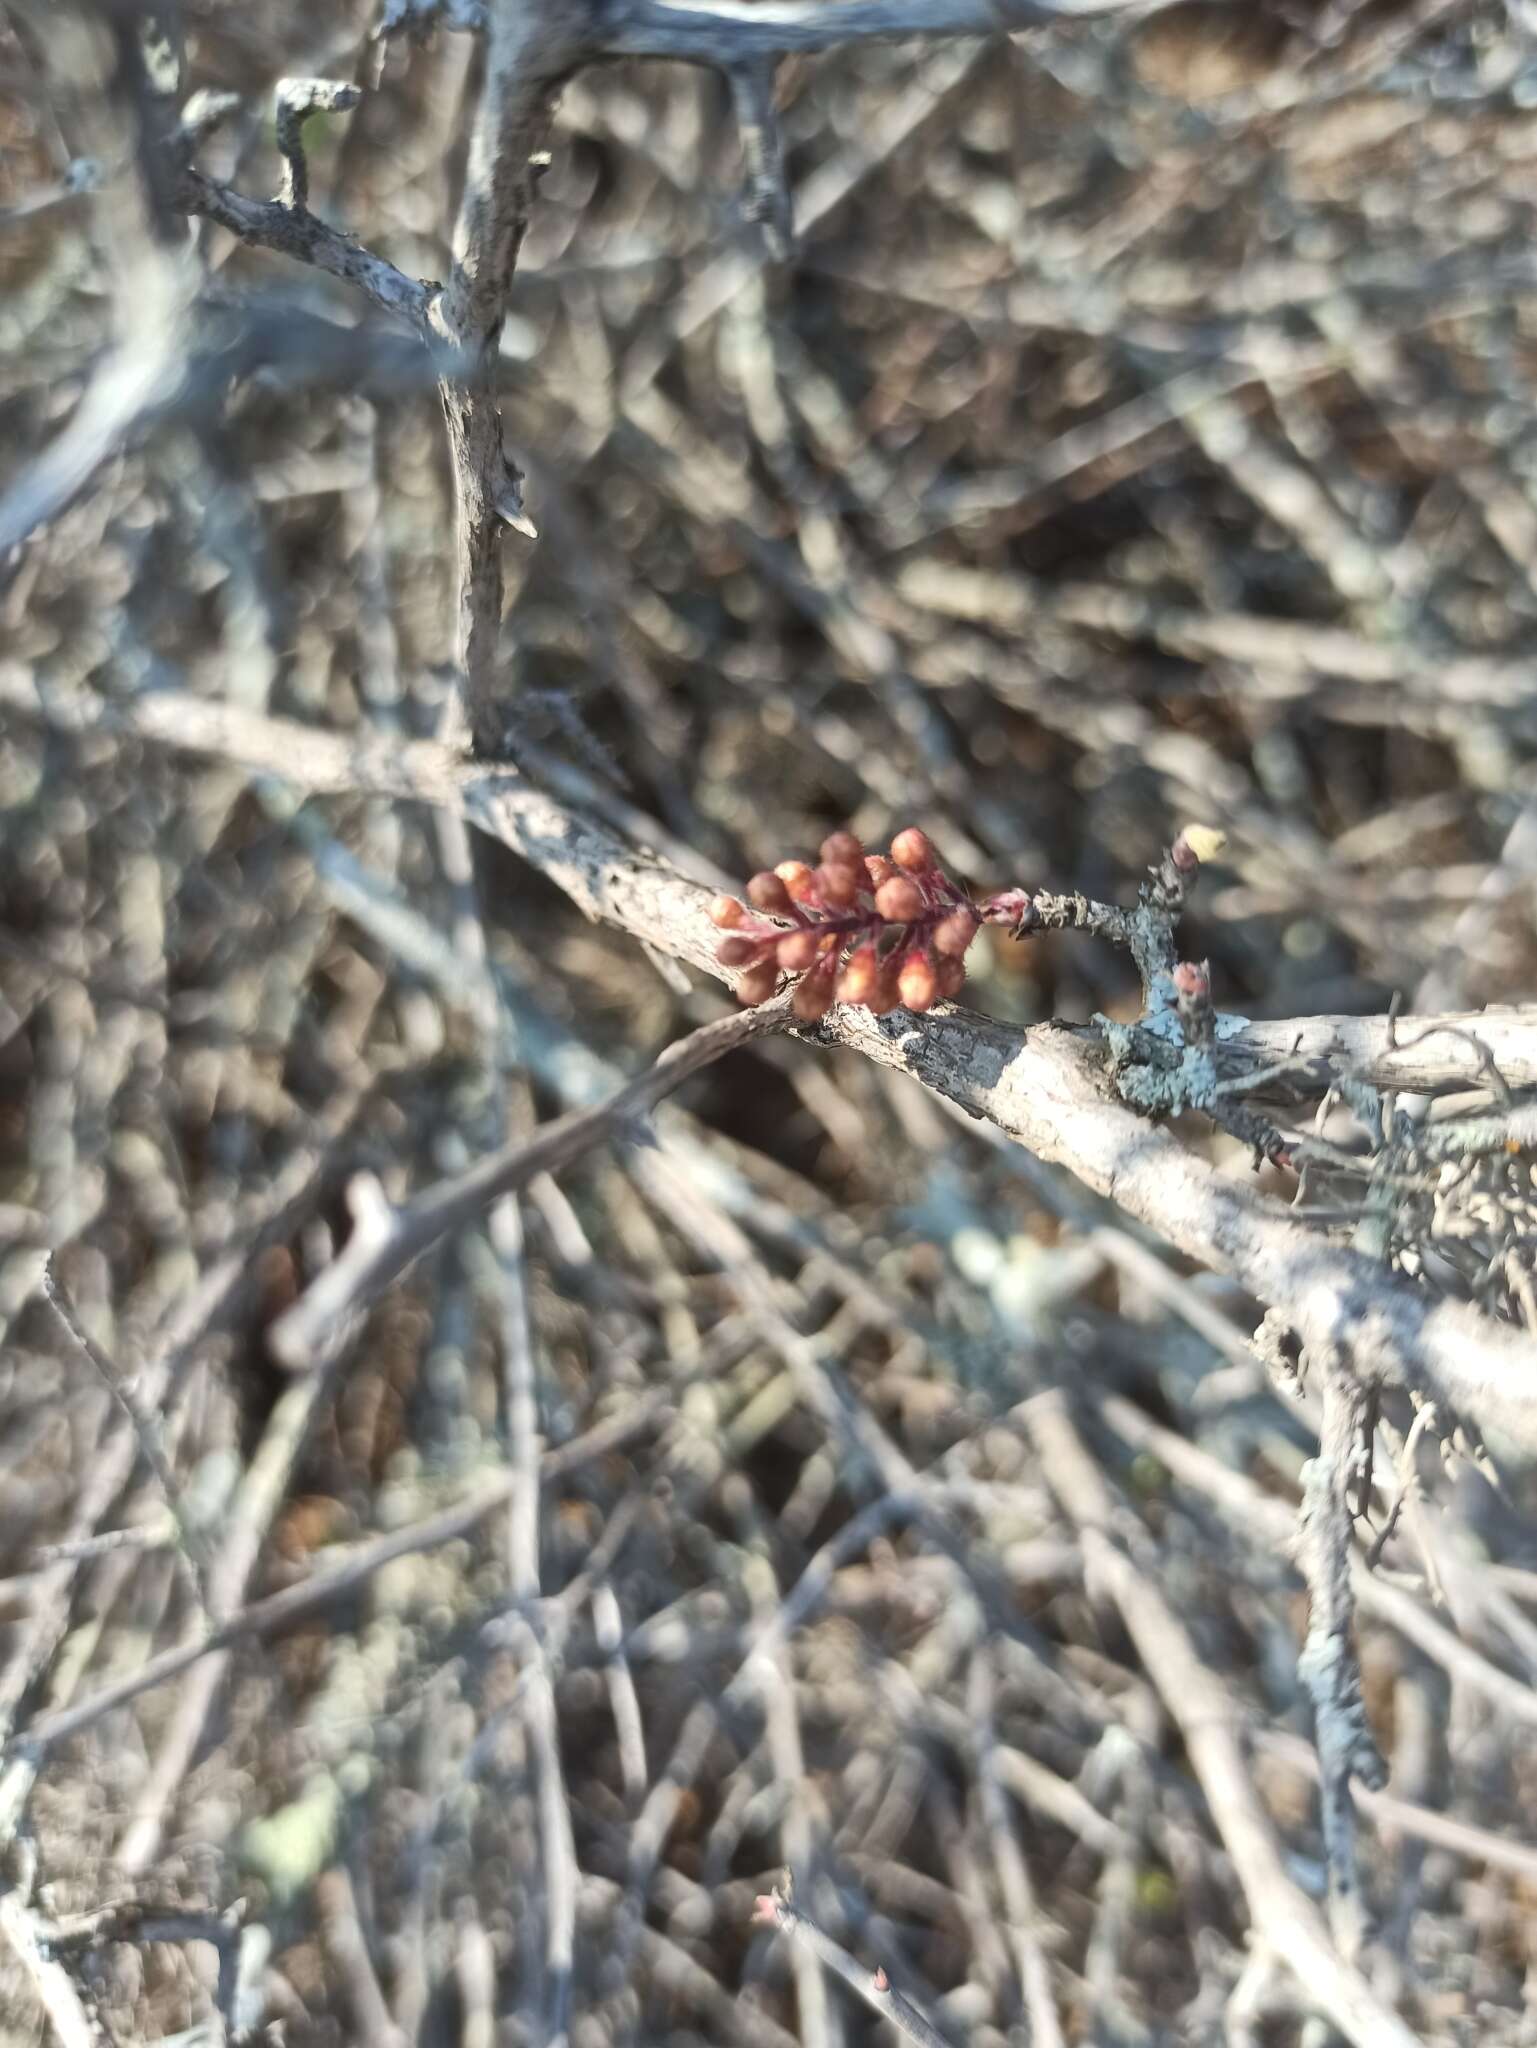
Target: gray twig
(774, 1909)
(145, 1426)
(296, 100)
(733, 31)
(1328, 1666)
(768, 194)
(386, 1240)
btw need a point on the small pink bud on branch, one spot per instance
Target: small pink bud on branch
(800, 883)
(1192, 981)
(917, 982)
(913, 850)
(899, 901)
(1014, 907)
(953, 934)
(842, 849)
(795, 952)
(768, 893)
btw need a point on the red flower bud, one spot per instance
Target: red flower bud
(738, 951)
(757, 984)
(838, 884)
(813, 996)
(842, 850)
(726, 913)
(885, 995)
(800, 883)
(951, 976)
(879, 869)
(917, 982)
(766, 892)
(899, 900)
(860, 976)
(911, 849)
(955, 933)
(797, 951)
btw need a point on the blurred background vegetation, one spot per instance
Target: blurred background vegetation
(1142, 430)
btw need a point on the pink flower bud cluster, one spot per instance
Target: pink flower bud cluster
(870, 929)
